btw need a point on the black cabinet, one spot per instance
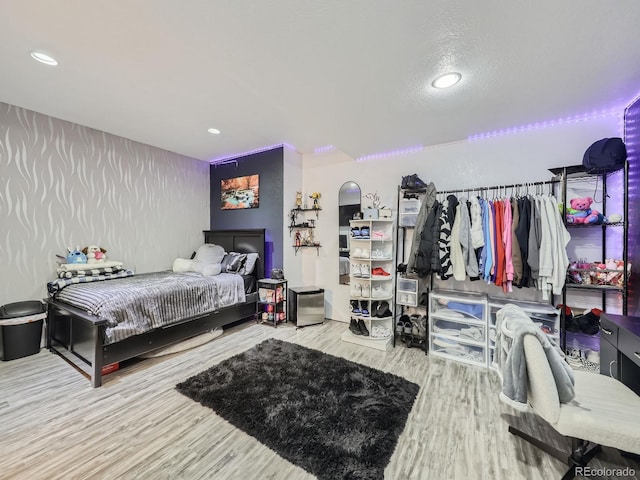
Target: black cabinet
(620, 349)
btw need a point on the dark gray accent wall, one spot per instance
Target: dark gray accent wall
(632, 141)
(270, 166)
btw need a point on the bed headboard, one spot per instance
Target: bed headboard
(243, 241)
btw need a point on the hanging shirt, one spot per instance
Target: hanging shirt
(506, 236)
(516, 257)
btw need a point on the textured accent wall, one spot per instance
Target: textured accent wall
(632, 142)
(65, 185)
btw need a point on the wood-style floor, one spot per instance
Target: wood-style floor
(137, 426)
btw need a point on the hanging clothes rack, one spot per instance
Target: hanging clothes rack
(500, 187)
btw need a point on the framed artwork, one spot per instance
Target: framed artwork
(240, 192)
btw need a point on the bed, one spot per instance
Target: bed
(81, 337)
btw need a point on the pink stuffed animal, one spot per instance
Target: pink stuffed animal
(581, 212)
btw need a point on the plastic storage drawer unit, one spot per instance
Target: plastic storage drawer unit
(21, 329)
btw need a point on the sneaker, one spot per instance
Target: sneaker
(364, 253)
(378, 292)
(363, 328)
(356, 290)
(400, 324)
(379, 272)
(364, 270)
(364, 232)
(380, 331)
(355, 270)
(379, 235)
(364, 310)
(365, 290)
(353, 327)
(379, 254)
(355, 232)
(382, 310)
(355, 307)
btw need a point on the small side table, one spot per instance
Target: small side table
(271, 307)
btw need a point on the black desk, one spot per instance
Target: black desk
(620, 349)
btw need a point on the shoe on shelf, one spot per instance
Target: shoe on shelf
(379, 254)
(382, 310)
(379, 272)
(412, 182)
(363, 328)
(365, 270)
(353, 327)
(364, 310)
(355, 232)
(378, 292)
(355, 270)
(408, 327)
(374, 308)
(380, 235)
(355, 307)
(364, 253)
(365, 290)
(364, 232)
(400, 325)
(356, 290)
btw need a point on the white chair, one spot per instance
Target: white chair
(603, 412)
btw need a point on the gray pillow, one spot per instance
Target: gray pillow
(233, 262)
(249, 264)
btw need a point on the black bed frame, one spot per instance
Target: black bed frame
(78, 336)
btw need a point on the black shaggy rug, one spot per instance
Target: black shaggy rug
(334, 418)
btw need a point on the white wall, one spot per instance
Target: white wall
(292, 182)
(65, 185)
(513, 158)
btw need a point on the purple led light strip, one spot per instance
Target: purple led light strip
(546, 124)
(235, 156)
(392, 153)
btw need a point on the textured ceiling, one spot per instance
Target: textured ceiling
(354, 74)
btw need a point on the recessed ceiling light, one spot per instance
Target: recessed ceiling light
(214, 131)
(44, 58)
(447, 80)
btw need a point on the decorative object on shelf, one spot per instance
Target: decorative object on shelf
(277, 274)
(372, 212)
(298, 199)
(298, 239)
(315, 196)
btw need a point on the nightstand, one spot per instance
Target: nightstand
(271, 307)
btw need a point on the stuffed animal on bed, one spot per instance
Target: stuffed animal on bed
(95, 254)
(581, 212)
(207, 261)
(76, 256)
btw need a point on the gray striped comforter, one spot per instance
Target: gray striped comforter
(137, 304)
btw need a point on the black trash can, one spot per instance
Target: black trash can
(21, 329)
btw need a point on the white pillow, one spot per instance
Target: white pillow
(181, 265)
(208, 269)
(209, 253)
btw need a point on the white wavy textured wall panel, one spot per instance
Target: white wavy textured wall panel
(65, 185)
